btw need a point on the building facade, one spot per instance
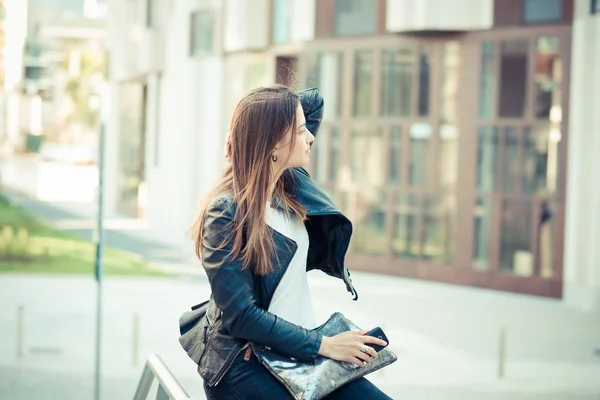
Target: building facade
(445, 131)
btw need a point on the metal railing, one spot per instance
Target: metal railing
(168, 387)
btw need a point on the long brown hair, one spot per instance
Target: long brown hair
(260, 121)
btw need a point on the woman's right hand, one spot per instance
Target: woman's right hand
(347, 347)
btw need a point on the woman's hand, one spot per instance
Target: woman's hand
(348, 346)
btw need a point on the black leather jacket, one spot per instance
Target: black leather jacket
(237, 312)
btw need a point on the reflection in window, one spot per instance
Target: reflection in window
(546, 235)
(326, 74)
(540, 148)
(423, 83)
(510, 160)
(487, 89)
(548, 79)
(513, 78)
(483, 225)
(420, 133)
(541, 11)
(407, 220)
(487, 163)
(515, 237)
(281, 20)
(448, 157)
(437, 228)
(450, 83)
(334, 154)
(355, 17)
(367, 211)
(396, 82)
(363, 82)
(395, 155)
(368, 156)
(202, 31)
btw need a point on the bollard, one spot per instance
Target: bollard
(135, 340)
(501, 353)
(20, 314)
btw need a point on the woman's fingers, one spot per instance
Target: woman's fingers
(363, 356)
(374, 340)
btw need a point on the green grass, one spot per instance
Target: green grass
(47, 250)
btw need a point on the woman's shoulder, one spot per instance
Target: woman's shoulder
(222, 202)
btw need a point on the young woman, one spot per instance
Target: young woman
(263, 226)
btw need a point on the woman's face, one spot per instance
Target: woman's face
(299, 155)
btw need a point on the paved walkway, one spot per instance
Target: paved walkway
(446, 336)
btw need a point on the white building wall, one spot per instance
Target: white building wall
(15, 31)
(244, 25)
(184, 131)
(582, 230)
(455, 15)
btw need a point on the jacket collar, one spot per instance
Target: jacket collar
(308, 194)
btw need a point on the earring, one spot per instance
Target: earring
(274, 158)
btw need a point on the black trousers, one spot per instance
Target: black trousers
(248, 380)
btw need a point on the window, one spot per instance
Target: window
(595, 6)
(487, 88)
(396, 86)
(367, 211)
(482, 215)
(420, 133)
(515, 237)
(513, 78)
(368, 156)
(548, 79)
(326, 74)
(396, 155)
(202, 33)
(355, 17)
(363, 83)
(281, 21)
(487, 161)
(541, 11)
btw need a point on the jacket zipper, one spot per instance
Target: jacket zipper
(229, 363)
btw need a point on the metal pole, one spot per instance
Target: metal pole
(501, 353)
(135, 340)
(20, 312)
(98, 266)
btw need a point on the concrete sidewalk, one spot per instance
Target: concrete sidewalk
(446, 337)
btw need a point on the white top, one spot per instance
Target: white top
(291, 300)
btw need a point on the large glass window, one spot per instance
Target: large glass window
(355, 17)
(513, 78)
(368, 156)
(482, 214)
(367, 211)
(281, 20)
(420, 135)
(363, 83)
(202, 30)
(540, 169)
(487, 89)
(423, 83)
(408, 214)
(327, 77)
(542, 11)
(487, 161)
(546, 236)
(395, 155)
(334, 154)
(548, 79)
(510, 160)
(515, 237)
(438, 214)
(396, 82)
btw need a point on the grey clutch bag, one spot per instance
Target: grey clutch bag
(313, 382)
